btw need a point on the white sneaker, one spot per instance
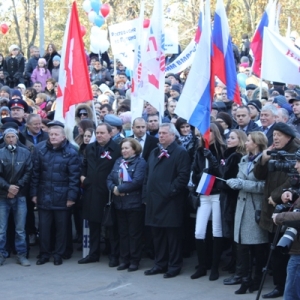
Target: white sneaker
(23, 261)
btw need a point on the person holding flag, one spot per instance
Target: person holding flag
(206, 163)
(125, 181)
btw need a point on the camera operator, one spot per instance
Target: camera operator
(291, 218)
(275, 183)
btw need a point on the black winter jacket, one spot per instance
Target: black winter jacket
(15, 168)
(132, 190)
(56, 174)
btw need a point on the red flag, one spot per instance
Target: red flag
(75, 83)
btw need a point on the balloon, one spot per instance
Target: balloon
(86, 5)
(92, 15)
(95, 31)
(96, 45)
(105, 9)
(82, 30)
(146, 23)
(241, 78)
(95, 4)
(4, 28)
(99, 21)
(104, 44)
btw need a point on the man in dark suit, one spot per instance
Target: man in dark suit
(268, 118)
(99, 160)
(167, 175)
(148, 142)
(244, 121)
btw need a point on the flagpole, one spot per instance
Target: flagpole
(115, 66)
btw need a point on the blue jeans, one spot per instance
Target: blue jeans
(292, 286)
(19, 209)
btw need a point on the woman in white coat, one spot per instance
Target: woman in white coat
(250, 238)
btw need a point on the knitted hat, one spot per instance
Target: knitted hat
(176, 87)
(255, 103)
(42, 60)
(56, 57)
(16, 94)
(226, 118)
(13, 47)
(6, 89)
(280, 100)
(11, 131)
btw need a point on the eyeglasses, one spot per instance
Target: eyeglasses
(83, 114)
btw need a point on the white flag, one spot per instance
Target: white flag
(280, 60)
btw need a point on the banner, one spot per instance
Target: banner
(280, 60)
(184, 60)
(123, 37)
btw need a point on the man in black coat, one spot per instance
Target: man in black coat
(32, 62)
(98, 162)
(54, 188)
(243, 119)
(166, 178)
(148, 142)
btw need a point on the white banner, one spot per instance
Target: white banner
(280, 60)
(184, 60)
(123, 37)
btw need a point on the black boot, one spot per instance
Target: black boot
(217, 252)
(260, 254)
(247, 284)
(201, 268)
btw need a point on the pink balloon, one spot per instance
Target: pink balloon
(146, 23)
(4, 28)
(83, 30)
(105, 9)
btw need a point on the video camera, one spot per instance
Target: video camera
(285, 162)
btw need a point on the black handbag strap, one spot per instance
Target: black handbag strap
(253, 203)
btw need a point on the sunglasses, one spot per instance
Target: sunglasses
(83, 114)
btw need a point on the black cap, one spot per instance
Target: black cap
(297, 98)
(10, 125)
(251, 87)
(10, 120)
(284, 128)
(19, 103)
(55, 123)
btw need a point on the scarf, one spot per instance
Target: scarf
(123, 173)
(185, 139)
(42, 71)
(251, 158)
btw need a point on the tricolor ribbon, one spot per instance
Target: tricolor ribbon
(123, 172)
(163, 152)
(105, 154)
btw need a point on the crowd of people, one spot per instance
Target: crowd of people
(148, 168)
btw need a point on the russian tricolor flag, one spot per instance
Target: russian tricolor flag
(223, 64)
(257, 42)
(206, 184)
(200, 24)
(124, 173)
(194, 104)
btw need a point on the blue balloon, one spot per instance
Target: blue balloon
(241, 78)
(99, 21)
(96, 4)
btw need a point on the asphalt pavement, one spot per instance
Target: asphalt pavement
(71, 281)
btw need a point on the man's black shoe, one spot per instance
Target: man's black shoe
(154, 271)
(274, 294)
(42, 261)
(113, 263)
(57, 261)
(171, 274)
(88, 259)
(232, 280)
(122, 267)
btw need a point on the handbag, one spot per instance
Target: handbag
(257, 212)
(109, 214)
(194, 200)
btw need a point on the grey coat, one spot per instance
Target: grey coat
(246, 230)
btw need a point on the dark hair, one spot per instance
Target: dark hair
(46, 121)
(180, 122)
(86, 123)
(123, 108)
(52, 80)
(31, 93)
(108, 127)
(244, 106)
(152, 115)
(135, 145)
(109, 108)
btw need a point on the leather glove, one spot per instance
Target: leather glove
(235, 183)
(212, 160)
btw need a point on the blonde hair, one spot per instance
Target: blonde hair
(260, 139)
(242, 137)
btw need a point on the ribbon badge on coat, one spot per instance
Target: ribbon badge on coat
(106, 154)
(163, 152)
